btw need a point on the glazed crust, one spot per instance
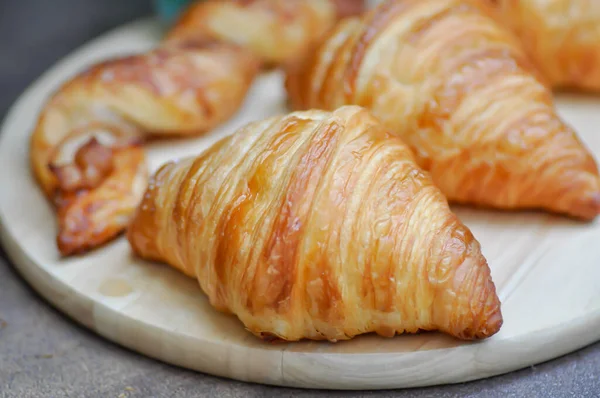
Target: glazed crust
(110, 108)
(89, 134)
(318, 225)
(459, 89)
(276, 31)
(561, 36)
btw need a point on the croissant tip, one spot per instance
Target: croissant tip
(482, 317)
(69, 244)
(586, 207)
(77, 241)
(493, 325)
(493, 319)
(595, 203)
(79, 234)
(489, 327)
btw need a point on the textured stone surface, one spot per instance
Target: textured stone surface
(44, 354)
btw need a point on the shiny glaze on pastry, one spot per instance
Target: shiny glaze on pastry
(318, 225)
(459, 89)
(562, 37)
(86, 149)
(276, 31)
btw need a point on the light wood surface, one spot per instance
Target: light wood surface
(546, 269)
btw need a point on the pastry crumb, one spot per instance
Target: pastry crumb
(44, 356)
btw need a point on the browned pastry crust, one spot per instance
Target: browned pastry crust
(562, 37)
(349, 8)
(89, 133)
(458, 88)
(276, 31)
(318, 225)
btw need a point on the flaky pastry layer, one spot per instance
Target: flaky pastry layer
(457, 86)
(318, 225)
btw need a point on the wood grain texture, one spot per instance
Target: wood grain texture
(545, 268)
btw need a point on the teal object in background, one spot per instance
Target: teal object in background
(168, 10)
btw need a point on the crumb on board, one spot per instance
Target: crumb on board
(44, 356)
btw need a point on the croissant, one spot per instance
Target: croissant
(86, 149)
(318, 225)
(459, 89)
(562, 37)
(275, 30)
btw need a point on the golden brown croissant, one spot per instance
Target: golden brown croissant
(275, 30)
(561, 36)
(457, 87)
(85, 150)
(318, 225)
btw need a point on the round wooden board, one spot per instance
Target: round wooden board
(546, 269)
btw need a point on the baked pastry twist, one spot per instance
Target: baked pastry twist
(562, 37)
(318, 225)
(276, 31)
(86, 148)
(458, 88)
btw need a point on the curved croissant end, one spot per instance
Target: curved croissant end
(561, 37)
(90, 217)
(88, 137)
(263, 239)
(460, 91)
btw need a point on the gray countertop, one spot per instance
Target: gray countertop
(45, 354)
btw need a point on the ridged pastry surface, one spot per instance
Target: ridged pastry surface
(318, 225)
(459, 89)
(274, 30)
(86, 148)
(562, 37)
